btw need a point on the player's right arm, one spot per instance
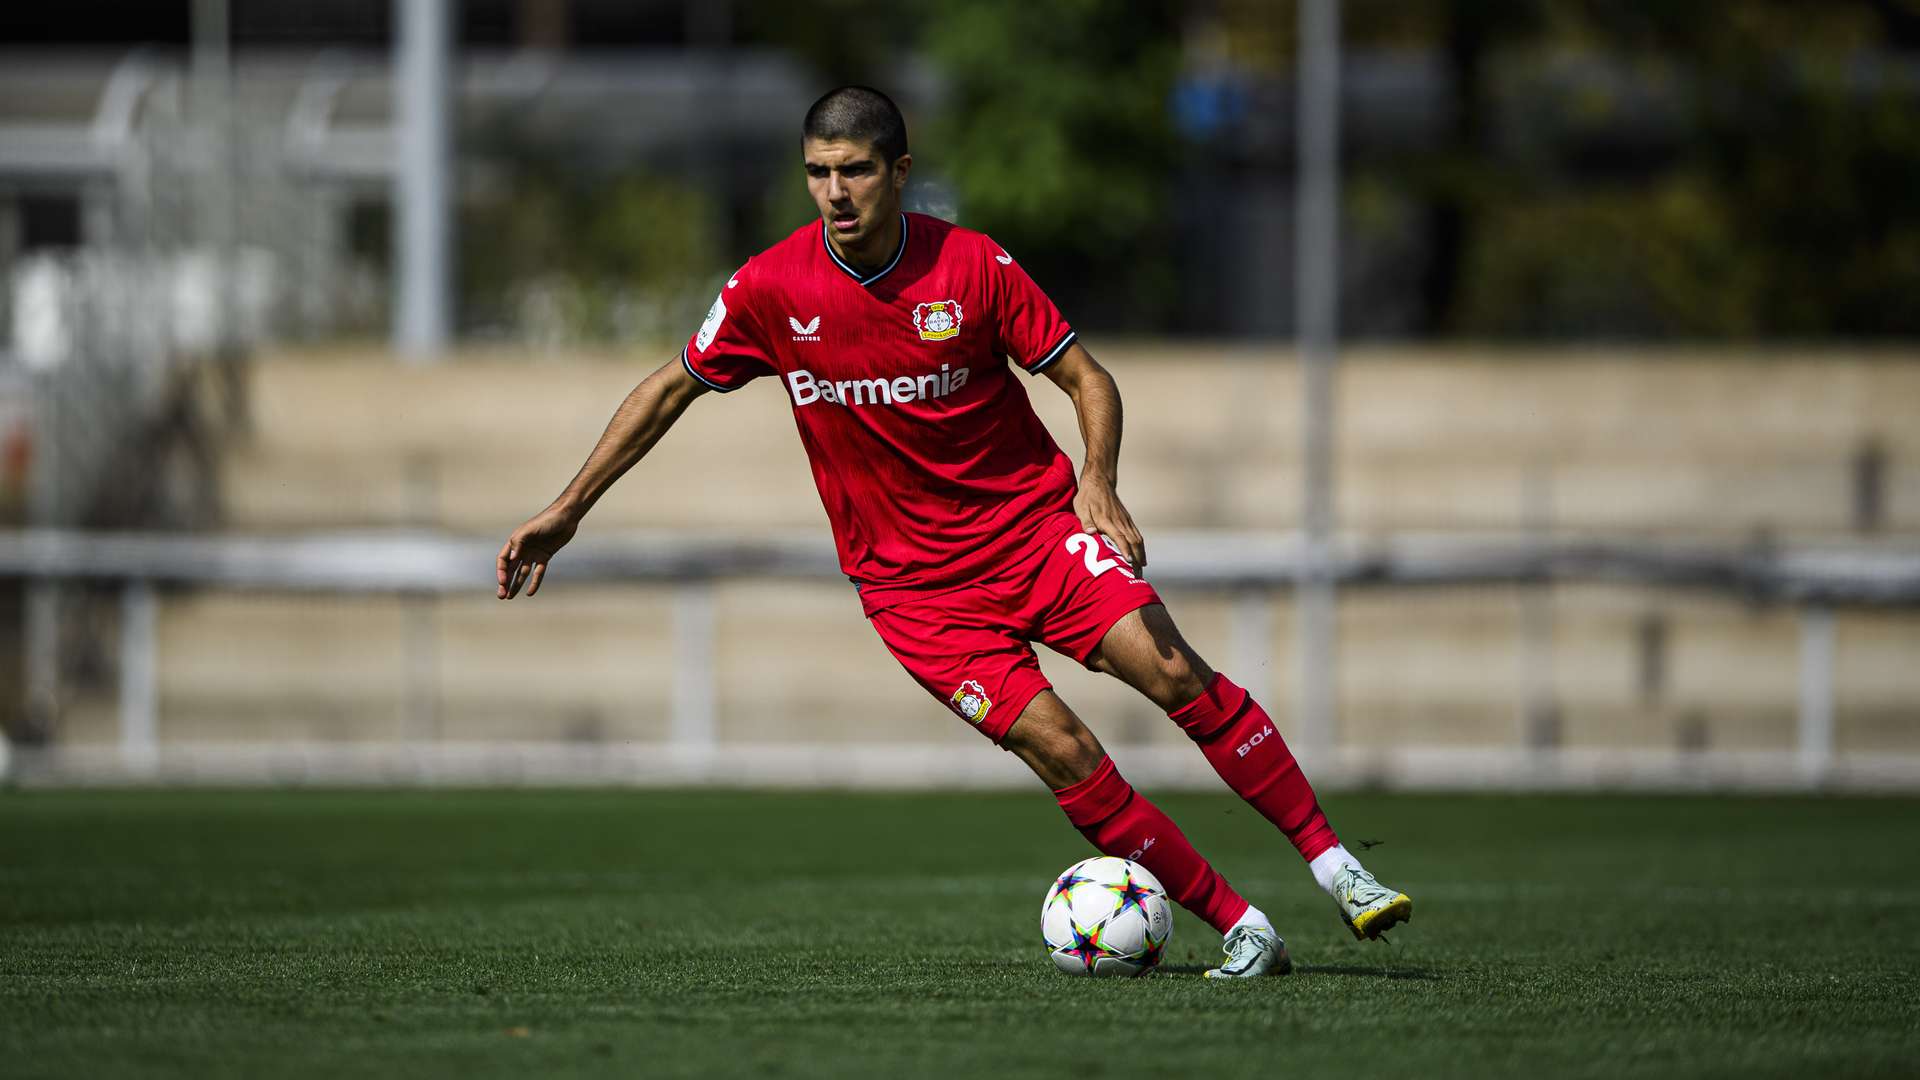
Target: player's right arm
(726, 353)
(649, 410)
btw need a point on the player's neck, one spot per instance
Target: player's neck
(874, 252)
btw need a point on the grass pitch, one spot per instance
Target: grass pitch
(543, 933)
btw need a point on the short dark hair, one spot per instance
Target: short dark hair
(859, 114)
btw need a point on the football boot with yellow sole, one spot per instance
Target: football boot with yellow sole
(1369, 908)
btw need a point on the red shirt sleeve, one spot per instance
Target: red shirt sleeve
(1028, 329)
(728, 351)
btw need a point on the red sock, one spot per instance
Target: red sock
(1121, 822)
(1247, 751)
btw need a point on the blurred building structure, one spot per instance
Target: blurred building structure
(1443, 108)
(1658, 674)
(196, 252)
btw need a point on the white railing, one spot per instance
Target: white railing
(1248, 566)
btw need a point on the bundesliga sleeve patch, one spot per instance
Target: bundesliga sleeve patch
(716, 315)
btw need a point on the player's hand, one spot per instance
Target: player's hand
(524, 557)
(1101, 513)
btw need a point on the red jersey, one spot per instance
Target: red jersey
(927, 453)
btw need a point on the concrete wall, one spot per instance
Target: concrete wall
(1707, 444)
(1695, 445)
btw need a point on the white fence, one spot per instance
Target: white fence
(1248, 567)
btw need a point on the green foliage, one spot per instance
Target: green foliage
(1742, 169)
(1054, 133)
(1661, 261)
(1816, 172)
(565, 257)
(1732, 170)
(846, 41)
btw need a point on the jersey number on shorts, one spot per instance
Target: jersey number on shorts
(1089, 550)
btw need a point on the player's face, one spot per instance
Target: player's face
(855, 189)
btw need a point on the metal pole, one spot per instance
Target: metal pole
(1816, 693)
(139, 677)
(420, 616)
(1539, 727)
(694, 727)
(422, 235)
(1251, 638)
(41, 657)
(1316, 276)
(217, 190)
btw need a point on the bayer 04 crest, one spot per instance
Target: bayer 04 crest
(1106, 916)
(937, 320)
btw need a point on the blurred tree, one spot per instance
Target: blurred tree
(1469, 30)
(1684, 170)
(846, 41)
(1054, 133)
(562, 248)
(1729, 170)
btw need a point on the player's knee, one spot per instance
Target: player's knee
(1169, 673)
(1057, 745)
(1069, 745)
(1177, 677)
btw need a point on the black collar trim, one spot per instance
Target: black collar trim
(855, 274)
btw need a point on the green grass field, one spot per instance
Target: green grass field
(540, 933)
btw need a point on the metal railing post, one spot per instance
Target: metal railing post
(694, 725)
(1816, 693)
(42, 658)
(139, 676)
(1250, 641)
(421, 675)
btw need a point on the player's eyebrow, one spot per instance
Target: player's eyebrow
(857, 165)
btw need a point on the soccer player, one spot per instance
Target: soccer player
(959, 520)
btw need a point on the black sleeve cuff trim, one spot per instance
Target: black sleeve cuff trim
(711, 385)
(1054, 353)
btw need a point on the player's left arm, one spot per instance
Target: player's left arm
(1096, 401)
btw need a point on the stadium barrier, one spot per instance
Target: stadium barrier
(1249, 567)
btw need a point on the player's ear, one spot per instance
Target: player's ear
(902, 165)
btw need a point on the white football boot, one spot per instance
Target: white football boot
(1369, 908)
(1253, 951)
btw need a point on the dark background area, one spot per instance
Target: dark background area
(1514, 169)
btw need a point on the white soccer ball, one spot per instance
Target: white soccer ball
(1106, 916)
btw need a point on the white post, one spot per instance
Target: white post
(42, 657)
(139, 677)
(1316, 284)
(694, 727)
(1816, 693)
(422, 235)
(1538, 719)
(420, 613)
(1251, 641)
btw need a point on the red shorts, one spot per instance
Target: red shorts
(971, 647)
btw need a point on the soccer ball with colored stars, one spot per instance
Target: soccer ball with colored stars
(1106, 916)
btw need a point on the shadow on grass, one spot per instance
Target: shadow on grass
(1351, 970)
(1415, 973)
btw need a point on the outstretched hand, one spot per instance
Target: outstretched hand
(524, 557)
(1102, 513)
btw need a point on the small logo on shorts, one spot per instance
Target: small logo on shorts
(971, 702)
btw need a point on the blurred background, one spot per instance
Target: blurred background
(1523, 393)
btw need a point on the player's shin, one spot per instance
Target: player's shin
(1119, 821)
(1241, 742)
